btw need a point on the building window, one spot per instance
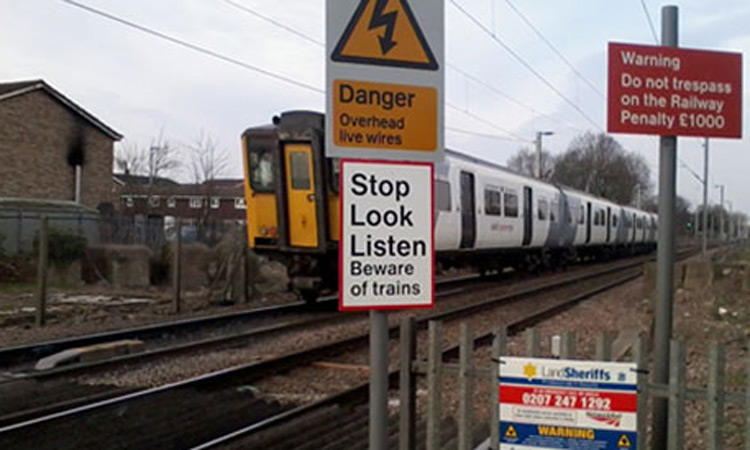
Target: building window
(171, 202)
(511, 204)
(492, 199)
(153, 201)
(196, 202)
(129, 202)
(443, 195)
(215, 202)
(239, 203)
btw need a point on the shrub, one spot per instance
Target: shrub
(64, 247)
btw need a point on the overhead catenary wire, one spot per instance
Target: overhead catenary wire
(510, 98)
(650, 22)
(195, 47)
(524, 63)
(483, 135)
(487, 122)
(275, 22)
(473, 78)
(554, 49)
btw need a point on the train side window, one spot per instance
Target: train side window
(582, 215)
(554, 206)
(542, 210)
(442, 195)
(300, 162)
(492, 199)
(261, 170)
(614, 221)
(510, 199)
(569, 213)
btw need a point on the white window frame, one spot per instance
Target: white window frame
(196, 202)
(215, 202)
(171, 202)
(129, 203)
(154, 201)
(239, 203)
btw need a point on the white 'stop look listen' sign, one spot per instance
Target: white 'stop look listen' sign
(386, 252)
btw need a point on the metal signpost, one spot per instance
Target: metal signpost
(671, 92)
(385, 101)
(563, 404)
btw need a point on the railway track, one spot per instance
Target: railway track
(133, 408)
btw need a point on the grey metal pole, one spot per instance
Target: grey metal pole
(666, 253)
(721, 213)
(378, 380)
(538, 165)
(705, 197)
(41, 290)
(177, 268)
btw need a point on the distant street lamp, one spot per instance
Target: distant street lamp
(538, 142)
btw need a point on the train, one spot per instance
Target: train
(487, 217)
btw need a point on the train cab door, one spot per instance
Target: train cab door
(468, 211)
(528, 216)
(609, 223)
(588, 222)
(301, 201)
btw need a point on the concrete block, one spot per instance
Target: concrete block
(198, 261)
(91, 353)
(68, 275)
(699, 275)
(122, 265)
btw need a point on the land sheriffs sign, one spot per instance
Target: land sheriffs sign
(564, 404)
(385, 79)
(386, 251)
(674, 91)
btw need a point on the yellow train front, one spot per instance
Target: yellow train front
(291, 191)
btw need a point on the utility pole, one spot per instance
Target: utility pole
(538, 142)
(705, 197)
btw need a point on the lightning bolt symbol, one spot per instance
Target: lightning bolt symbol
(380, 19)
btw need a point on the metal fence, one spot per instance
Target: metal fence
(20, 227)
(438, 365)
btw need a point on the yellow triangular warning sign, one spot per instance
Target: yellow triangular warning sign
(624, 442)
(510, 433)
(385, 32)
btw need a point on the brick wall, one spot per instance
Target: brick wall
(36, 132)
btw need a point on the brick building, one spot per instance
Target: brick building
(216, 200)
(51, 148)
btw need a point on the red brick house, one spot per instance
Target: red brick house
(51, 148)
(217, 200)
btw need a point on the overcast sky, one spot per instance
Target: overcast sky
(140, 84)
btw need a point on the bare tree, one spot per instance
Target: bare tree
(130, 160)
(160, 159)
(207, 163)
(598, 164)
(524, 162)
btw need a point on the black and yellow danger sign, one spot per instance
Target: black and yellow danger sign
(386, 33)
(624, 442)
(510, 433)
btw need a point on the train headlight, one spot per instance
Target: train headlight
(264, 231)
(272, 231)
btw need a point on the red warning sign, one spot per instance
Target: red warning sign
(385, 32)
(674, 92)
